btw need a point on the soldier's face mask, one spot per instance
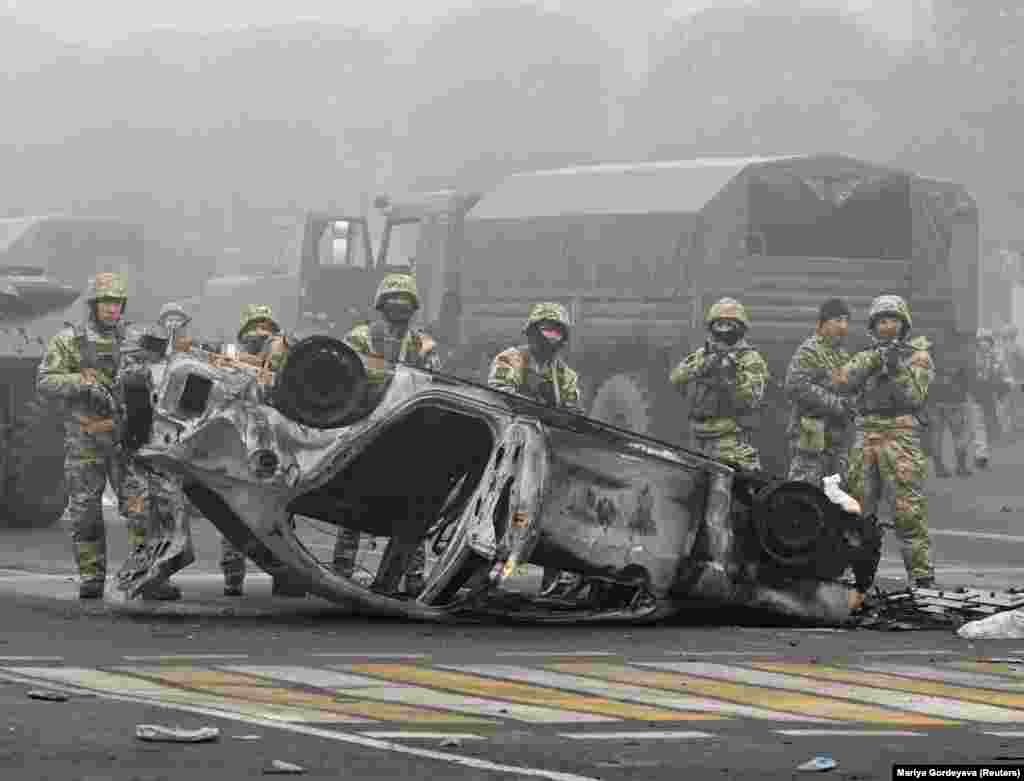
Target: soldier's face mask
(108, 311)
(398, 308)
(553, 333)
(727, 331)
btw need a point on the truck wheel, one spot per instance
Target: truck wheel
(34, 492)
(624, 400)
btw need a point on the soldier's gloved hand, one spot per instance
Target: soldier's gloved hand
(534, 382)
(892, 360)
(848, 408)
(96, 398)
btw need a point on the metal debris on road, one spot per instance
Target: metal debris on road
(162, 734)
(48, 695)
(247, 737)
(818, 765)
(451, 743)
(930, 608)
(1007, 625)
(282, 768)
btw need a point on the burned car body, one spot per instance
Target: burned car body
(491, 481)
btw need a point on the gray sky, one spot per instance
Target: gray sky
(98, 21)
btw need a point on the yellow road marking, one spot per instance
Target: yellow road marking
(252, 689)
(897, 682)
(774, 699)
(518, 692)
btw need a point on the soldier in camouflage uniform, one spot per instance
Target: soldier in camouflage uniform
(948, 403)
(821, 421)
(1013, 357)
(729, 378)
(260, 343)
(84, 369)
(887, 463)
(992, 382)
(392, 339)
(537, 371)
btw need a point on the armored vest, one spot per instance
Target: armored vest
(714, 393)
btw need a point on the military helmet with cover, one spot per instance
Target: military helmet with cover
(107, 286)
(727, 309)
(173, 314)
(254, 313)
(890, 305)
(549, 311)
(397, 284)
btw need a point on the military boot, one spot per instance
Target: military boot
(346, 548)
(284, 587)
(91, 558)
(91, 589)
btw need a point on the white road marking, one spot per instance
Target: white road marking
(942, 707)
(31, 658)
(556, 653)
(849, 733)
(956, 677)
(974, 534)
(307, 676)
(755, 652)
(910, 652)
(424, 735)
(621, 691)
(1006, 734)
(341, 737)
(651, 735)
(104, 684)
(332, 655)
(183, 657)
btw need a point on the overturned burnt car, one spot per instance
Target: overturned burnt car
(490, 481)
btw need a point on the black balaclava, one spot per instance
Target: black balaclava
(728, 332)
(540, 345)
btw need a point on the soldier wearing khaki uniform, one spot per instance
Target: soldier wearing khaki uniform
(887, 463)
(392, 339)
(84, 369)
(729, 378)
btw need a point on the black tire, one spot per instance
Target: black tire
(34, 493)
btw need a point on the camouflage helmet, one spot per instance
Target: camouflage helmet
(107, 286)
(253, 313)
(549, 310)
(393, 284)
(894, 306)
(985, 335)
(727, 309)
(173, 309)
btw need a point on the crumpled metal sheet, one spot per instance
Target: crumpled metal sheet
(652, 527)
(929, 608)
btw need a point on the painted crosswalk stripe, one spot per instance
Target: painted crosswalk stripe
(332, 655)
(556, 653)
(1011, 671)
(805, 705)
(695, 708)
(650, 735)
(905, 701)
(849, 733)
(112, 683)
(514, 692)
(947, 675)
(376, 694)
(354, 706)
(424, 735)
(897, 683)
(180, 658)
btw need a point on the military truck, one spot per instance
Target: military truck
(31, 440)
(638, 252)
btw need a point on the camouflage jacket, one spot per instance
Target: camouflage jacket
(729, 387)
(84, 346)
(954, 377)
(416, 348)
(277, 346)
(819, 410)
(992, 376)
(517, 371)
(889, 395)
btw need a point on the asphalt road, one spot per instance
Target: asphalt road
(374, 699)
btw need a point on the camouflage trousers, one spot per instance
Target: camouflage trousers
(733, 447)
(887, 474)
(346, 546)
(810, 466)
(232, 563)
(956, 418)
(985, 421)
(90, 461)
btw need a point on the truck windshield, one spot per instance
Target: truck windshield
(402, 242)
